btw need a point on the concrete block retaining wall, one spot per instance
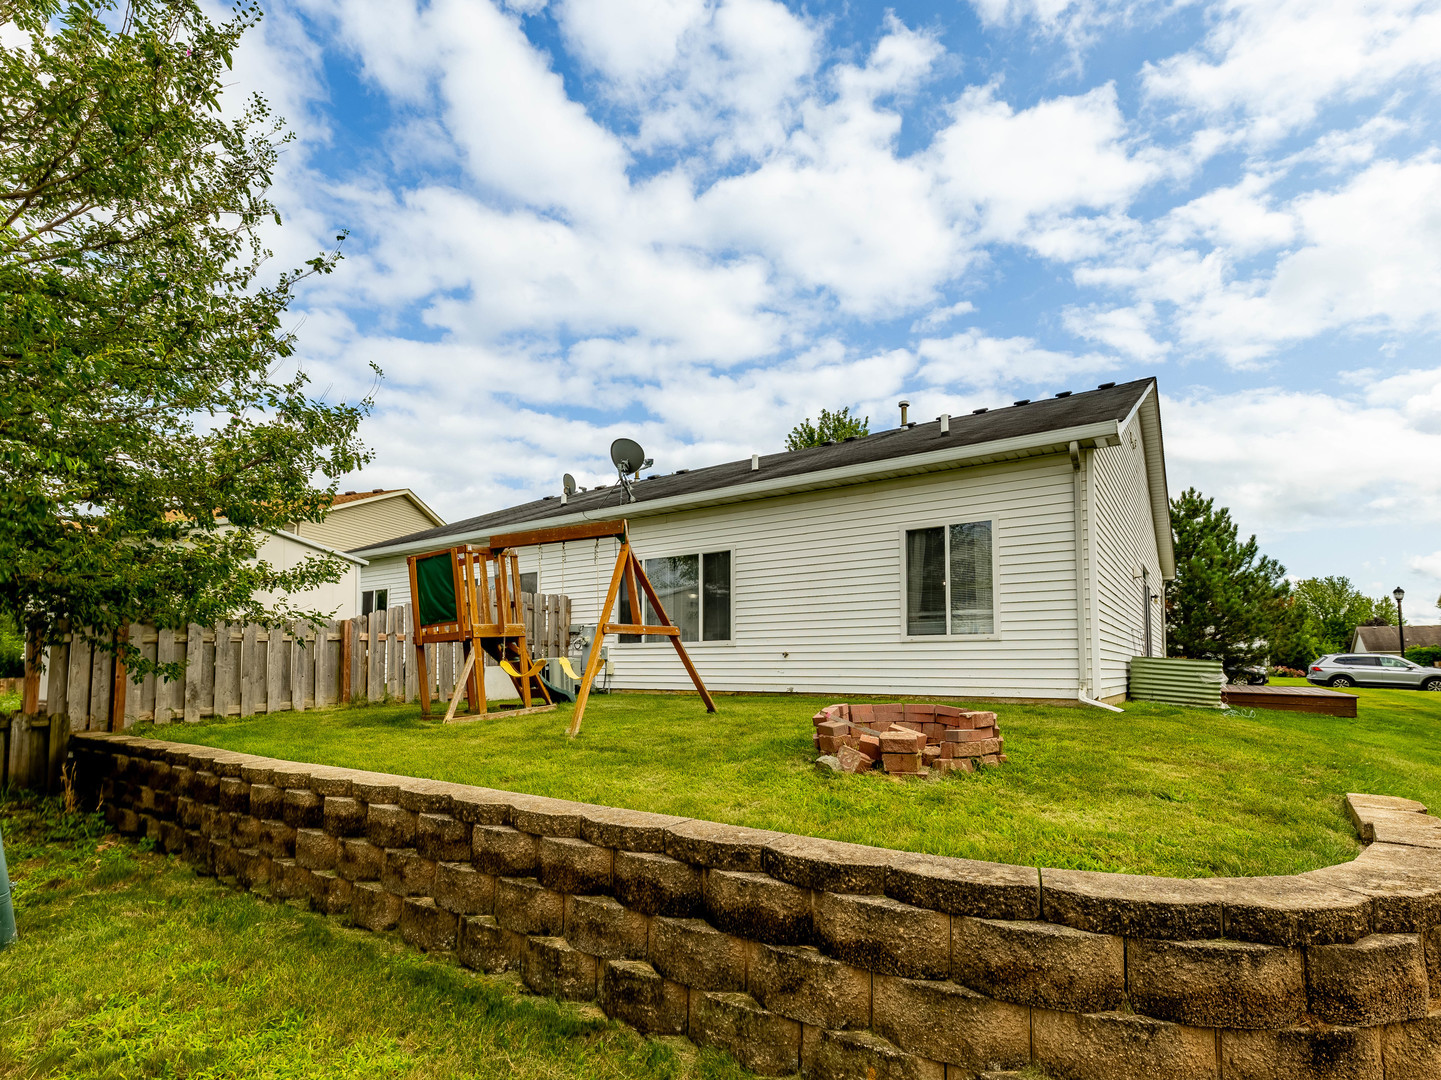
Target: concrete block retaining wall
(832, 959)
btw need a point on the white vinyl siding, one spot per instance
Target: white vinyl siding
(818, 589)
(1125, 544)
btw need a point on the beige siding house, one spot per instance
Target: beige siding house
(361, 518)
(1013, 554)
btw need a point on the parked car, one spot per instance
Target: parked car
(1246, 674)
(1345, 669)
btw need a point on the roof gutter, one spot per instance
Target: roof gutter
(1103, 433)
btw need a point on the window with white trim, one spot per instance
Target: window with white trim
(950, 587)
(695, 591)
(374, 600)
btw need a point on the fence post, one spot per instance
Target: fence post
(347, 651)
(118, 683)
(30, 696)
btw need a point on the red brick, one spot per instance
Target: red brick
(947, 712)
(984, 719)
(826, 744)
(870, 745)
(931, 754)
(862, 714)
(853, 760)
(984, 748)
(832, 728)
(925, 714)
(889, 713)
(991, 759)
(902, 762)
(969, 735)
(902, 741)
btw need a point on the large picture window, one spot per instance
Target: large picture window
(695, 591)
(949, 580)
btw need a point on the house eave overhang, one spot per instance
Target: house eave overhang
(1056, 441)
(1148, 409)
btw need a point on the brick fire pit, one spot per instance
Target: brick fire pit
(905, 739)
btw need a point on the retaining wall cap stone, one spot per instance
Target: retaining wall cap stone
(375, 787)
(1293, 910)
(719, 846)
(424, 796)
(1404, 827)
(1384, 802)
(628, 830)
(965, 886)
(546, 817)
(480, 806)
(1403, 883)
(827, 865)
(1178, 909)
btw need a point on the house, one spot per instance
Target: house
(359, 518)
(1384, 639)
(338, 599)
(1015, 553)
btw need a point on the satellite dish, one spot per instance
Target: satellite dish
(627, 456)
(628, 459)
(567, 484)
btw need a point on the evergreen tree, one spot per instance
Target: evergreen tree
(1228, 599)
(832, 427)
(151, 430)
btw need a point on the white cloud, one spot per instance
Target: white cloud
(1128, 330)
(1273, 64)
(972, 359)
(1286, 460)
(1430, 565)
(1010, 170)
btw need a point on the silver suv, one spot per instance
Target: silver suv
(1349, 669)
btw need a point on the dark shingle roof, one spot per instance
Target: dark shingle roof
(1110, 402)
(1385, 638)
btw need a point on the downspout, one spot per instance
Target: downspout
(1082, 684)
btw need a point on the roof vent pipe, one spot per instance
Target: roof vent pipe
(945, 419)
(904, 406)
(755, 463)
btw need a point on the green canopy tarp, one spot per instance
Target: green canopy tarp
(435, 583)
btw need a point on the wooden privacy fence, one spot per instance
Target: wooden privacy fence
(242, 670)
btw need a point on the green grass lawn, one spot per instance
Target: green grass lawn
(1158, 790)
(128, 965)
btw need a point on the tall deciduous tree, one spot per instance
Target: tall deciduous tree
(1228, 599)
(1334, 608)
(153, 424)
(831, 427)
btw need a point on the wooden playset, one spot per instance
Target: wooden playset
(471, 594)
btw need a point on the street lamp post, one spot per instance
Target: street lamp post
(1400, 594)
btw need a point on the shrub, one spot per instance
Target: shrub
(1425, 655)
(1286, 673)
(12, 650)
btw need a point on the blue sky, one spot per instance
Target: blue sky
(695, 222)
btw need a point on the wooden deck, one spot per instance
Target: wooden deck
(1312, 699)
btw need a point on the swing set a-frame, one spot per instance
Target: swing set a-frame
(471, 594)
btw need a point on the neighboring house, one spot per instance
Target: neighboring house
(360, 518)
(340, 599)
(1013, 553)
(1385, 639)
